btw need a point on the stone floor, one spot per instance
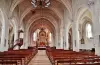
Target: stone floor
(40, 59)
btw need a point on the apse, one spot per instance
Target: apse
(42, 33)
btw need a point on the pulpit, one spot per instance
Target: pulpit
(20, 42)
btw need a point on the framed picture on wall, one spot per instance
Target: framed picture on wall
(82, 41)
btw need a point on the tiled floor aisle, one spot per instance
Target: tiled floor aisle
(40, 59)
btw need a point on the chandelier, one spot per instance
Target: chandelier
(40, 3)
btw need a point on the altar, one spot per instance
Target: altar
(42, 39)
(42, 46)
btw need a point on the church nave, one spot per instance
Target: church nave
(49, 32)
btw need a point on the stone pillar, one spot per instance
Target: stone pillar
(64, 39)
(51, 43)
(97, 44)
(52, 37)
(61, 37)
(96, 24)
(25, 40)
(56, 40)
(15, 34)
(66, 44)
(75, 36)
(3, 40)
(4, 35)
(64, 30)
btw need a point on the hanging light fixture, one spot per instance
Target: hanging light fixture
(40, 3)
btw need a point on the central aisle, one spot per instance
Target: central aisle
(40, 59)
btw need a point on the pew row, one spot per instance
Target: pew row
(67, 57)
(17, 57)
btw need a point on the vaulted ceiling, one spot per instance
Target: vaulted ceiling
(31, 17)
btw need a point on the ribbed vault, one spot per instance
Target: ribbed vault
(27, 11)
(42, 23)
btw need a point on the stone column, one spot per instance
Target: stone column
(15, 35)
(75, 36)
(66, 40)
(3, 40)
(65, 30)
(56, 40)
(4, 35)
(51, 43)
(52, 37)
(61, 38)
(26, 43)
(96, 24)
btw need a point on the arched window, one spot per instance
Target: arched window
(50, 37)
(89, 30)
(34, 36)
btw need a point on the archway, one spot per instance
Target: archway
(37, 28)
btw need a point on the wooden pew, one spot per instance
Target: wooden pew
(19, 57)
(8, 63)
(57, 56)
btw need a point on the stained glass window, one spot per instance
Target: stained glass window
(89, 30)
